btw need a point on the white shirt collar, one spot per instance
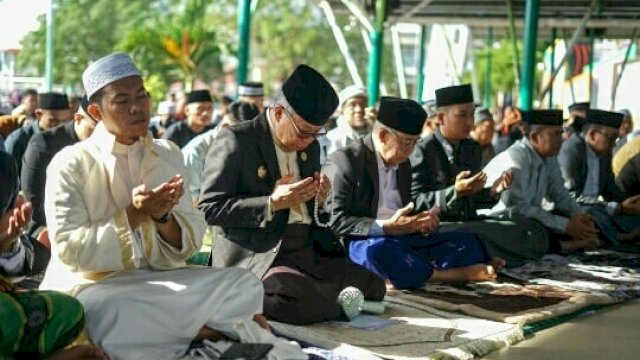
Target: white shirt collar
(106, 141)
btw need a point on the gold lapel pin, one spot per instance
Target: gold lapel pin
(262, 172)
(303, 156)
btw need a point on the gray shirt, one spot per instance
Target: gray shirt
(534, 179)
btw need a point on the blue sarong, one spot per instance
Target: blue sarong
(409, 261)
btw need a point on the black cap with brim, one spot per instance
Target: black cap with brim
(452, 95)
(310, 95)
(403, 115)
(543, 117)
(604, 118)
(199, 96)
(53, 101)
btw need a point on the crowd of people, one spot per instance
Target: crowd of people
(110, 204)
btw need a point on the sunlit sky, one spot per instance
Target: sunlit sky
(18, 17)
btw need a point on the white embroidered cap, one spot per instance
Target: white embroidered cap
(251, 89)
(107, 70)
(351, 91)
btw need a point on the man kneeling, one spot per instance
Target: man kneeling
(374, 215)
(117, 215)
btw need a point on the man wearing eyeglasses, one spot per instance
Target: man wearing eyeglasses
(376, 219)
(40, 150)
(447, 173)
(585, 161)
(259, 185)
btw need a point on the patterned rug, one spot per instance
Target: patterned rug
(410, 331)
(540, 290)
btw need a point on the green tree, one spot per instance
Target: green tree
(502, 74)
(85, 30)
(178, 44)
(289, 32)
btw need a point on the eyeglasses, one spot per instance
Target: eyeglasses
(303, 134)
(405, 143)
(611, 137)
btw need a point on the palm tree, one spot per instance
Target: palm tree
(180, 45)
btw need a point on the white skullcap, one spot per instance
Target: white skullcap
(166, 107)
(351, 91)
(107, 70)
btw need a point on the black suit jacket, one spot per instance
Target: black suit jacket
(40, 150)
(431, 172)
(574, 166)
(180, 133)
(353, 171)
(241, 170)
(16, 143)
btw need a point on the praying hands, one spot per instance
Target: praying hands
(13, 222)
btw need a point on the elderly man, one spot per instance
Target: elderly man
(482, 133)
(537, 177)
(33, 324)
(447, 173)
(354, 121)
(261, 178)
(52, 111)
(585, 161)
(41, 149)
(121, 228)
(374, 215)
(252, 92)
(199, 111)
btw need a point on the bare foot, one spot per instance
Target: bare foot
(262, 321)
(479, 272)
(208, 334)
(389, 285)
(80, 352)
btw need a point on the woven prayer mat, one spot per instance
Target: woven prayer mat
(419, 332)
(540, 290)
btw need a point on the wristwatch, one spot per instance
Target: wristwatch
(164, 219)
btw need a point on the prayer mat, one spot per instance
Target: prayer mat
(417, 332)
(540, 290)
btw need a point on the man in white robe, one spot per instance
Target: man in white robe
(122, 227)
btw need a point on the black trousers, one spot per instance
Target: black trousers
(302, 287)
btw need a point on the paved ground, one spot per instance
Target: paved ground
(611, 333)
